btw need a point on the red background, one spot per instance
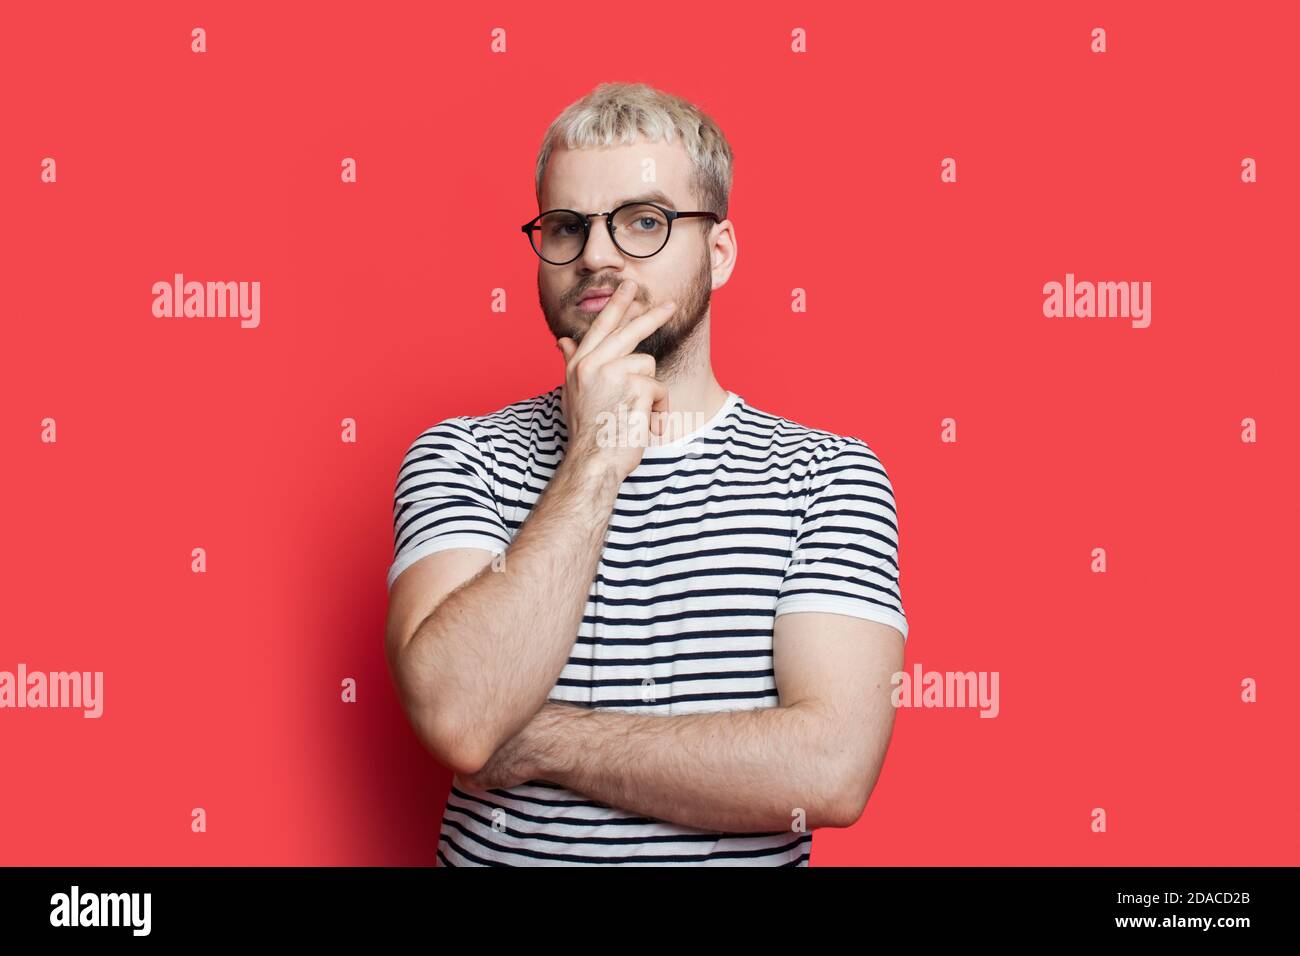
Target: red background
(1118, 690)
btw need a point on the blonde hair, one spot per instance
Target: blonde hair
(615, 113)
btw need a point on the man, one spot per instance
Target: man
(642, 620)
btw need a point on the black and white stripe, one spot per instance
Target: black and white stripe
(712, 536)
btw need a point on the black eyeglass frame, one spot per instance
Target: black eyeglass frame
(670, 214)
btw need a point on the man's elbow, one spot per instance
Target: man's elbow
(846, 811)
(460, 752)
(849, 795)
(455, 742)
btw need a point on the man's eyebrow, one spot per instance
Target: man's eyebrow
(653, 196)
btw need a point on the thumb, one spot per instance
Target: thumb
(566, 347)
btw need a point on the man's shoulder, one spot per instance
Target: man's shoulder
(809, 442)
(518, 417)
(518, 420)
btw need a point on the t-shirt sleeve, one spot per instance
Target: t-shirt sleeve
(443, 498)
(845, 558)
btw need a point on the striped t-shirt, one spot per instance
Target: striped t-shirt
(712, 536)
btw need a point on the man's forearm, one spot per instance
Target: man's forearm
(736, 771)
(489, 654)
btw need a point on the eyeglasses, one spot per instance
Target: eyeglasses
(637, 229)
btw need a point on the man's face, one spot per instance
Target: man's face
(598, 180)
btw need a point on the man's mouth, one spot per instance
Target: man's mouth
(594, 301)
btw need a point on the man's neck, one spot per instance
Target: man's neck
(692, 402)
(694, 394)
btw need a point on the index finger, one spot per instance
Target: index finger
(626, 337)
(609, 317)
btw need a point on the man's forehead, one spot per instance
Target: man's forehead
(605, 177)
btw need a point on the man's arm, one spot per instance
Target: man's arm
(820, 750)
(476, 668)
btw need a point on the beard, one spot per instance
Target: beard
(666, 343)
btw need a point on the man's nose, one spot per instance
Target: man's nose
(600, 249)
